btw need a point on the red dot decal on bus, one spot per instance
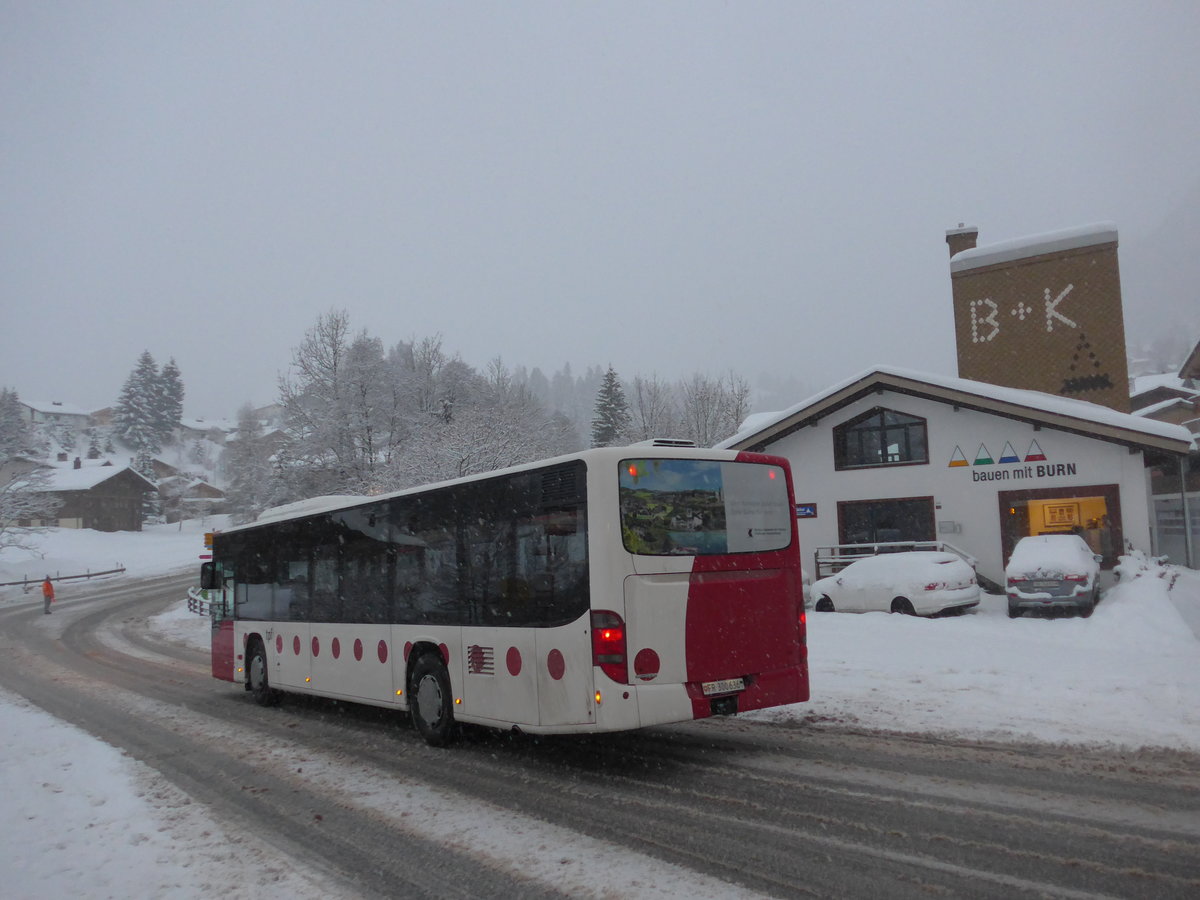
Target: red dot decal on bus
(407, 650)
(514, 661)
(357, 649)
(383, 651)
(279, 643)
(556, 665)
(646, 665)
(296, 645)
(445, 651)
(316, 647)
(336, 648)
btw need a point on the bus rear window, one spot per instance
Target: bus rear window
(700, 507)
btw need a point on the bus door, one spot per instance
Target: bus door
(217, 594)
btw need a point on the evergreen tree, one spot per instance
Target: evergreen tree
(249, 468)
(14, 433)
(170, 411)
(135, 416)
(610, 421)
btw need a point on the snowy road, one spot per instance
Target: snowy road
(721, 808)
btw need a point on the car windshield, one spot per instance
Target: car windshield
(701, 507)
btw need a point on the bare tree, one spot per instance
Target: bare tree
(504, 425)
(652, 409)
(713, 408)
(316, 414)
(25, 498)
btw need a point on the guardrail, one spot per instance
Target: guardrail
(199, 602)
(27, 583)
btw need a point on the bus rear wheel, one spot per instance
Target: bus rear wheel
(430, 700)
(257, 681)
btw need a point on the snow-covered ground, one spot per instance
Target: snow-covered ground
(84, 820)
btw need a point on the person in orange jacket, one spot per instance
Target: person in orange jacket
(47, 595)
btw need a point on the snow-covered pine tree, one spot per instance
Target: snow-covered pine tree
(170, 411)
(249, 468)
(14, 433)
(610, 421)
(135, 416)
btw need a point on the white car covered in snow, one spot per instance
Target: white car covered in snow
(1052, 572)
(917, 582)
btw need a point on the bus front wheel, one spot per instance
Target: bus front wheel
(257, 681)
(430, 700)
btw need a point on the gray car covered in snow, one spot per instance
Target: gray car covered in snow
(1052, 572)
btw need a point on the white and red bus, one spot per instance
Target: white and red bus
(612, 589)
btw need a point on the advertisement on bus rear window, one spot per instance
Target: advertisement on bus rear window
(689, 507)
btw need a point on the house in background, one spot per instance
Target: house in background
(103, 498)
(1170, 396)
(54, 412)
(185, 498)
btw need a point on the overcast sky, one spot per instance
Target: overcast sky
(666, 187)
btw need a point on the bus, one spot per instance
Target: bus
(611, 589)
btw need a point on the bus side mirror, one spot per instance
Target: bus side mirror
(209, 579)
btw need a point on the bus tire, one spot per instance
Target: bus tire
(257, 681)
(430, 700)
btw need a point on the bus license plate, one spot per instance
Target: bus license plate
(724, 686)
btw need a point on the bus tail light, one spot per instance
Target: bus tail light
(608, 645)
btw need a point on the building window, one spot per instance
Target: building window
(881, 437)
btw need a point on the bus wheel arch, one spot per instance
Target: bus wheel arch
(430, 697)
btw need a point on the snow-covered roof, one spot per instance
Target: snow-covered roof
(1145, 383)
(208, 424)
(1034, 245)
(1062, 412)
(309, 507)
(54, 407)
(86, 478)
(1161, 405)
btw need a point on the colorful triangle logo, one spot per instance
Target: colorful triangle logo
(983, 457)
(1009, 455)
(958, 458)
(1035, 454)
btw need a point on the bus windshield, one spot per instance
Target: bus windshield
(677, 507)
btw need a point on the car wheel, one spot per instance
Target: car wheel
(903, 606)
(824, 605)
(1086, 607)
(1013, 611)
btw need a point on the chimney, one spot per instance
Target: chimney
(961, 238)
(78, 463)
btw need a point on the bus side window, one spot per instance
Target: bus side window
(292, 594)
(326, 604)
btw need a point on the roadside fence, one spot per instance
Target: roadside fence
(28, 584)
